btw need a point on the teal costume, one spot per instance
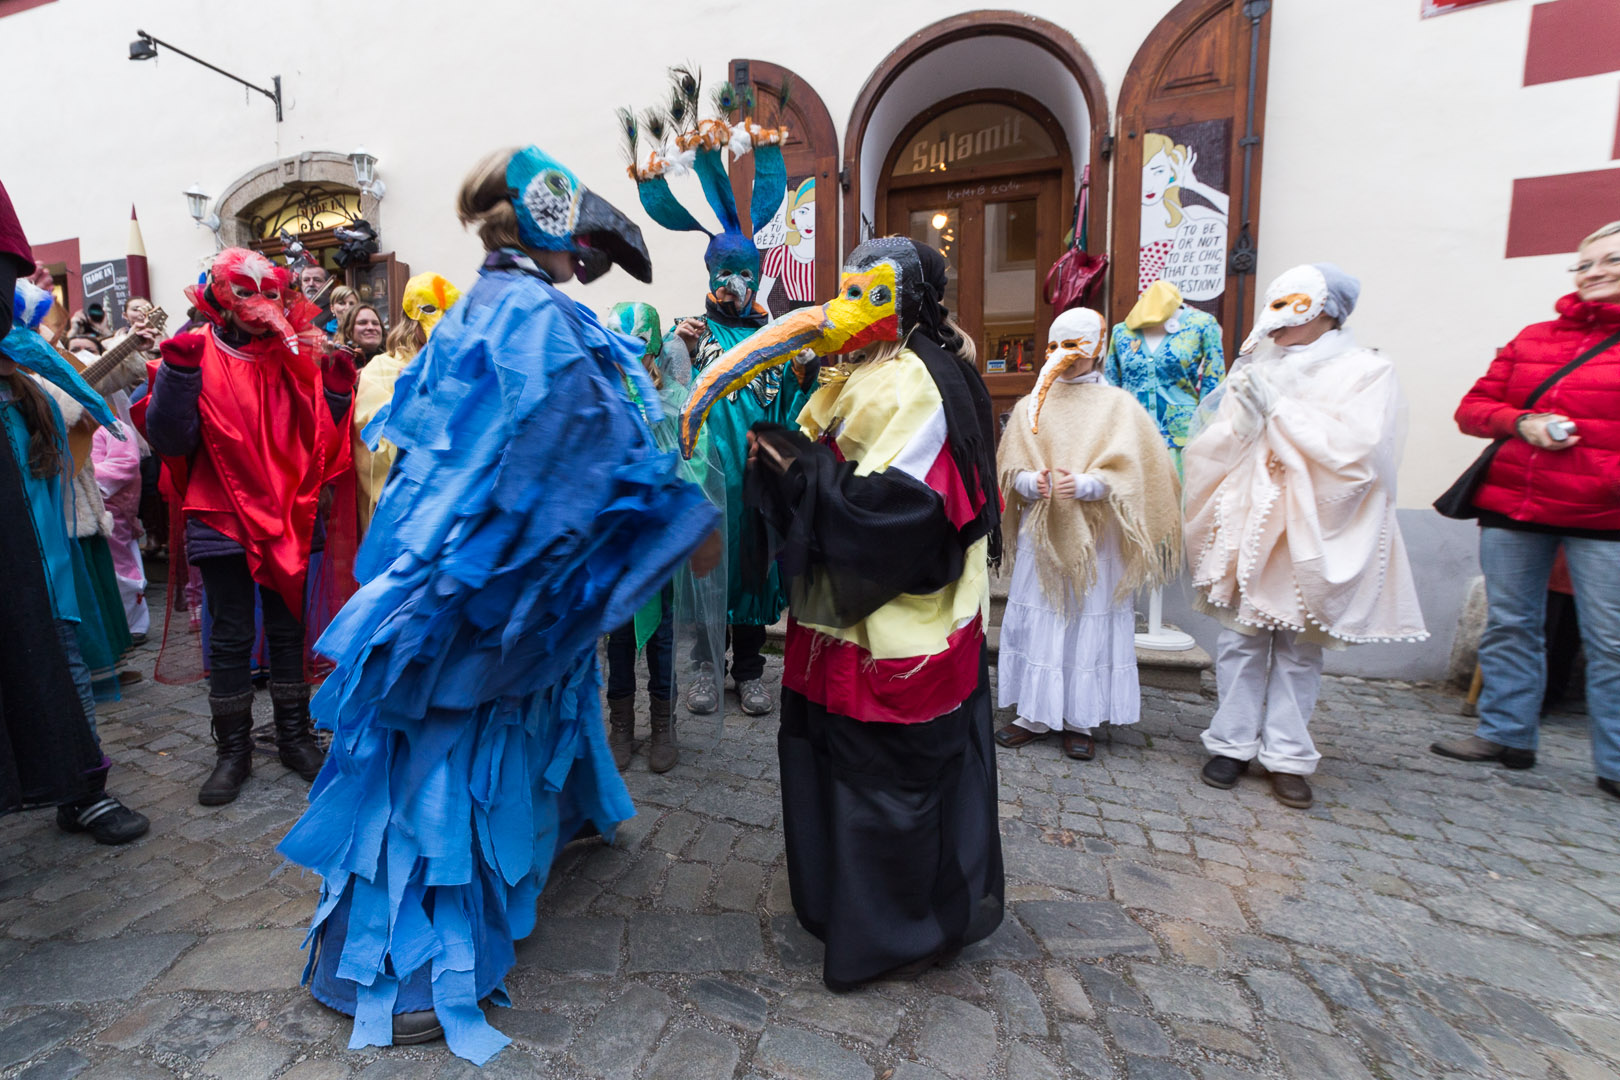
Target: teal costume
(1171, 380)
(753, 598)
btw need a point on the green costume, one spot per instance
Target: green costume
(752, 599)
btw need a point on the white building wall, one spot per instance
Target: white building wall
(1391, 142)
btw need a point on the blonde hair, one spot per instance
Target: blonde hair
(1153, 144)
(405, 339)
(484, 201)
(1611, 229)
(342, 292)
(805, 194)
(880, 351)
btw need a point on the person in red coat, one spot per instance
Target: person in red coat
(1556, 480)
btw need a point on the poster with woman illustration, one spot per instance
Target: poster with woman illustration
(788, 276)
(1185, 177)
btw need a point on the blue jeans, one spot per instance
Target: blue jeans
(68, 634)
(621, 656)
(1512, 654)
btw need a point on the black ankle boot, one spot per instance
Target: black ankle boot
(295, 739)
(107, 820)
(233, 747)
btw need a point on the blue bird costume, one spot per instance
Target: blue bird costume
(529, 511)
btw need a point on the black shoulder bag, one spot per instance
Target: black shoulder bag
(1458, 501)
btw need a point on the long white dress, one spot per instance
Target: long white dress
(1072, 666)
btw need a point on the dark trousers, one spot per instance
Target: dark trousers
(621, 656)
(231, 590)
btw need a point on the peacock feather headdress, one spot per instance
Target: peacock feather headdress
(678, 139)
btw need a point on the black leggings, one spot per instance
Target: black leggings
(231, 592)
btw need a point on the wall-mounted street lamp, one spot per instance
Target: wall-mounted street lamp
(197, 204)
(145, 48)
(365, 173)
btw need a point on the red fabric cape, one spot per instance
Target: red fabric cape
(268, 445)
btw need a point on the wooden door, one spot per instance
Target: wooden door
(381, 283)
(998, 237)
(1181, 208)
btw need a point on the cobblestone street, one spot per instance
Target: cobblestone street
(1427, 919)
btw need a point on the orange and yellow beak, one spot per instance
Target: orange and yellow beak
(863, 313)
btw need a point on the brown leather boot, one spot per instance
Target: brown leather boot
(233, 747)
(622, 730)
(295, 738)
(1291, 790)
(661, 754)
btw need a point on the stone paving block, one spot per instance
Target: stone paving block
(1137, 1034)
(1580, 1066)
(691, 1053)
(1185, 897)
(62, 1065)
(1513, 1057)
(685, 886)
(1308, 1053)
(674, 832)
(910, 1070)
(1027, 1063)
(1085, 1053)
(1107, 989)
(734, 805)
(798, 1055)
(727, 1001)
(714, 843)
(737, 886)
(1138, 1068)
(1320, 926)
(1085, 930)
(544, 1031)
(510, 1064)
(616, 1041)
(1341, 986)
(1436, 1038)
(318, 1069)
(1060, 867)
(1510, 965)
(1285, 997)
(35, 1034)
(797, 947)
(1601, 1033)
(127, 1066)
(865, 1015)
(1192, 944)
(1010, 942)
(1215, 1037)
(241, 961)
(197, 1032)
(1020, 1009)
(957, 1038)
(1196, 997)
(1566, 910)
(692, 943)
(1068, 994)
(574, 946)
(112, 970)
(253, 1057)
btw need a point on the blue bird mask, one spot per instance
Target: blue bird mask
(557, 213)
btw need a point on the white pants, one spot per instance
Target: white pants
(1268, 682)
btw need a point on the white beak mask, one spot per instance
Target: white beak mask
(1076, 339)
(1294, 298)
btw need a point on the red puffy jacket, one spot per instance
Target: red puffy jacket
(1578, 488)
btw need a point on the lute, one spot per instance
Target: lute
(81, 436)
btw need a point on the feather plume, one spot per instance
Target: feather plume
(688, 84)
(783, 94)
(677, 110)
(632, 135)
(725, 99)
(656, 126)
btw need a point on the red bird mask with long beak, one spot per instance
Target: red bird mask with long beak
(246, 287)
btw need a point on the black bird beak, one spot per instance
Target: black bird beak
(603, 236)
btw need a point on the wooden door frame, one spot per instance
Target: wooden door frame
(1015, 24)
(805, 105)
(1188, 104)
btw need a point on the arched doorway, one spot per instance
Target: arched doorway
(982, 177)
(971, 136)
(308, 196)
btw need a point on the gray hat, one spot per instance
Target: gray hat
(1342, 291)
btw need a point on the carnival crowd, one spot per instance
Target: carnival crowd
(435, 516)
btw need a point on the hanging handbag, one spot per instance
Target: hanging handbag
(1075, 274)
(1458, 500)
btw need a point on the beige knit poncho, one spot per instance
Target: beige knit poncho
(1092, 428)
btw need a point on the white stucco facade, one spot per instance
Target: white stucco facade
(1391, 141)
